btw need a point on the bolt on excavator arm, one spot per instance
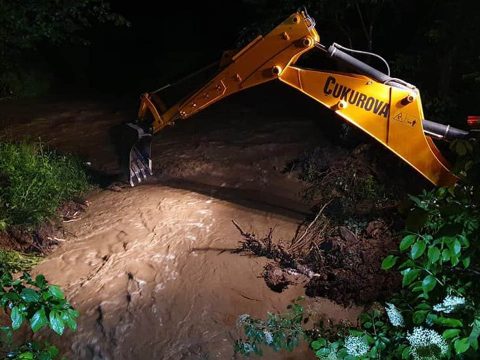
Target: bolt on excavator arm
(388, 109)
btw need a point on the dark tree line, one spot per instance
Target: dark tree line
(432, 44)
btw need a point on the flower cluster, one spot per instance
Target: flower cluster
(268, 337)
(426, 344)
(394, 315)
(356, 345)
(450, 304)
(247, 348)
(242, 319)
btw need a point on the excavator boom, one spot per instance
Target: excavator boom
(388, 109)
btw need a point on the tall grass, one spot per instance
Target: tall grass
(34, 182)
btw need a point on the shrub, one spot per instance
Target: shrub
(436, 314)
(34, 182)
(36, 304)
(279, 331)
(16, 261)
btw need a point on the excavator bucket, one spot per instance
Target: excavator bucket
(138, 143)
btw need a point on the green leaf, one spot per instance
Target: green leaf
(450, 333)
(423, 306)
(450, 322)
(17, 318)
(56, 322)
(466, 262)
(445, 255)
(50, 352)
(473, 338)
(29, 295)
(406, 353)
(319, 343)
(409, 275)
(73, 313)
(418, 249)
(407, 241)
(454, 260)
(38, 320)
(456, 247)
(461, 345)
(419, 316)
(40, 281)
(323, 352)
(428, 283)
(56, 292)
(433, 254)
(473, 343)
(354, 332)
(418, 202)
(406, 264)
(389, 262)
(25, 356)
(72, 324)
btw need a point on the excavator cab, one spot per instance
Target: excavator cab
(387, 108)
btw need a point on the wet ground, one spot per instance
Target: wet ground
(149, 268)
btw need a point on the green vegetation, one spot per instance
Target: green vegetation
(26, 26)
(435, 315)
(34, 182)
(35, 304)
(279, 331)
(16, 261)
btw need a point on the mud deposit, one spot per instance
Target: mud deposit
(150, 268)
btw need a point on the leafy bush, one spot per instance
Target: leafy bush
(40, 305)
(34, 182)
(279, 331)
(436, 314)
(16, 261)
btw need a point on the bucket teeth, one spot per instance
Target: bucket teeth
(140, 163)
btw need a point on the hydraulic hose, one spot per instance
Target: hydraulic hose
(443, 131)
(357, 65)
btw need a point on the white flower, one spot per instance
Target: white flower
(394, 315)
(356, 345)
(449, 304)
(247, 348)
(426, 344)
(268, 337)
(242, 319)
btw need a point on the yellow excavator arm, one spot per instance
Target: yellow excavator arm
(386, 108)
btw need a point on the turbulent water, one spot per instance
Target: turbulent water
(150, 268)
(151, 273)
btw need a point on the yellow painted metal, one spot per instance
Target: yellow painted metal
(380, 110)
(392, 115)
(251, 66)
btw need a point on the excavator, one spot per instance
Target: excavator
(387, 108)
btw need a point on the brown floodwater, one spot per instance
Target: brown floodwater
(150, 268)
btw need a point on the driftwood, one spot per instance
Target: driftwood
(266, 248)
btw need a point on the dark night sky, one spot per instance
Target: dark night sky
(163, 42)
(170, 39)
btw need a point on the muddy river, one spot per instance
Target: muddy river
(150, 268)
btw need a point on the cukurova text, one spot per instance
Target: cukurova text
(355, 98)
